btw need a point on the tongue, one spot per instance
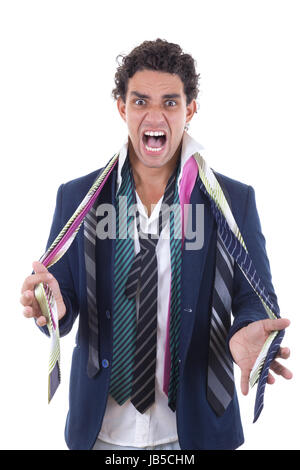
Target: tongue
(155, 142)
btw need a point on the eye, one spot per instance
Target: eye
(171, 103)
(139, 102)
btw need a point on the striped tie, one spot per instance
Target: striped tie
(124, 317)
(144, 272)
(236, 247)
(176, 263)
(90, 223)
(271, 354)
(220, 380)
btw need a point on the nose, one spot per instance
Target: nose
(155, 115)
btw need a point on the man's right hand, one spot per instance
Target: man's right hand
(28, 300)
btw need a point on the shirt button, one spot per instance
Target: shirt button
(105, 363)
(107, 314)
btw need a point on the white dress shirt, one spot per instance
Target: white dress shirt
(124, 425)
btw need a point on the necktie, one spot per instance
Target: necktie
(220, 379)
(90, 224)
(143, 277)
(124, 312)
(262, 368)
(175, 301)
(145, 267)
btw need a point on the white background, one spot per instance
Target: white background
(58, 122)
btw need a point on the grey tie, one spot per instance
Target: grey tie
(220, 379)
(90, 223)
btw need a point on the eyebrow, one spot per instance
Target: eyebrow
(167, 96)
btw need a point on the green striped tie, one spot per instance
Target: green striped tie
(124, 317)
(176, 261)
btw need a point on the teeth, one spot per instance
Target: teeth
(154, 133)
(152, 149)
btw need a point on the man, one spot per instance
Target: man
(153, 385)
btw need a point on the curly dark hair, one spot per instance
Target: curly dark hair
(162, 56)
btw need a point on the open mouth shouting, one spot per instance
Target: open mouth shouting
(154, 142)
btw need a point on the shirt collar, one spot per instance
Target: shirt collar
(189, 147)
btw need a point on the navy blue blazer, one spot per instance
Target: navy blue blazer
(197, 425)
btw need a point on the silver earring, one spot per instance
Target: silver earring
(186, 127)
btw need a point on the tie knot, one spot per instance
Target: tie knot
(148, 241)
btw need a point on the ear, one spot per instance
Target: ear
(191, 109)
(121, 108)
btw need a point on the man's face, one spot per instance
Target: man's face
(155, 102)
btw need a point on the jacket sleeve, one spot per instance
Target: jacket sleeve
(246, 305)
(62, 273)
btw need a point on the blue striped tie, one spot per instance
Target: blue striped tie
(259, 399)
(236, 250)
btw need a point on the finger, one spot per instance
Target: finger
(279, 369)
(275, 325)
(53, 284)
(26, 298)
(245, 374)
(39, 267)
(283, 353)
(270, 379)
(31, 281)
(28, 312)
(41, 321)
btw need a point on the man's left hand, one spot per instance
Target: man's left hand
(246, 344)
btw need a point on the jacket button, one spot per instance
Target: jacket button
(105, 363)
(107, 314)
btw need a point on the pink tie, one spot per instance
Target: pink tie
(187, 183)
